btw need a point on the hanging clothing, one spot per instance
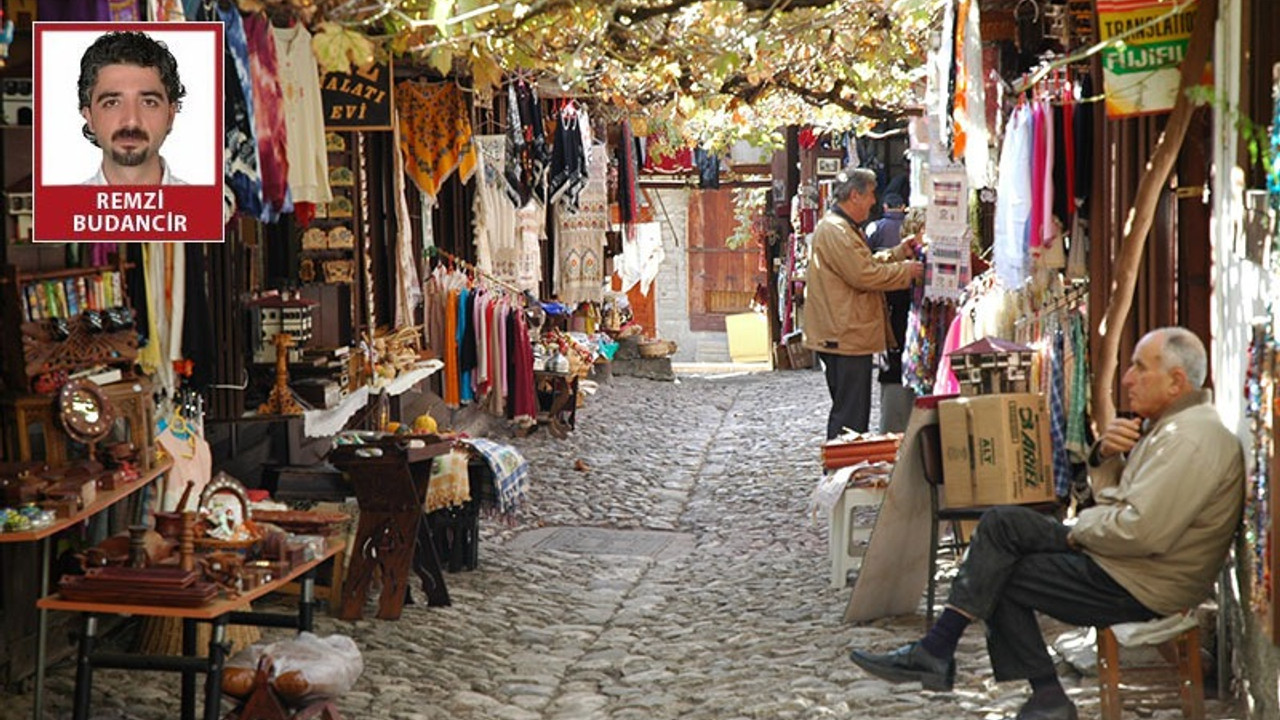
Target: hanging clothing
(641, 258)
(435, 133)
(527, 151)
(269, 118)
(466, 344)
(88, 10)
(1058, 416)
(568, 171)
(303, 115)
(970, 126)
(452, 379)
(243, 179)
(496, 238)
(580, 239)
(166, 11)
(1013, 202)
(628, 175)
(408, 292)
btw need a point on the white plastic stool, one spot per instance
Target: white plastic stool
(841, 535)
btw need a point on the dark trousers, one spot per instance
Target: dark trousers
(849, 382)
(1018, 562)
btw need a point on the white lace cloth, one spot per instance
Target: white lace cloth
(323, 423)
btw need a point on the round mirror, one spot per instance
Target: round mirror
(85, 412)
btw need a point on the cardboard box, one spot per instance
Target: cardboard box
(996, 450)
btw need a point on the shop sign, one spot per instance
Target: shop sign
(1141, 73)
(358, 101)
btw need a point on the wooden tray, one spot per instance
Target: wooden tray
(77, 588)
(152, 576)
(304, 522)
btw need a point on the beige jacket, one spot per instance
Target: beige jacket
(844, 306)
(1166, 513)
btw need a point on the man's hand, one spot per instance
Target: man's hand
(1120, 437)
(915, 269)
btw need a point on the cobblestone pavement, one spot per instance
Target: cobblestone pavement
(733, 621)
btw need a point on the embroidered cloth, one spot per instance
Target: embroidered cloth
(450, 485)
(580, 238)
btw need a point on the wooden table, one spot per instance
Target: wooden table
(220, 612)
(105, 499)
(558, 393)
(390, 477)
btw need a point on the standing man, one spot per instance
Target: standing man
(885, 234)
(1170, 494)
(129, 95)
(845, 319)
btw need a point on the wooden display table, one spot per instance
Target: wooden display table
(220, 612)
(390, 477)
(557, 400)
(104, 500)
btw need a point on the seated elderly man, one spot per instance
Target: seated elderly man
(1170, 493)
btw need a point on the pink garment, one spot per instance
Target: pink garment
(946, 383)
(1046, 196)
(1036, 225)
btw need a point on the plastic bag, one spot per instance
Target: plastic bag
(305, 668)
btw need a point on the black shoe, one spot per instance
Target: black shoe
(909, 663)
(1064, 711)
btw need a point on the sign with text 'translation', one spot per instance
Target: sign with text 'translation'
(1142, 72)
(360, 100)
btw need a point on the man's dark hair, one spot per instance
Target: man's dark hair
(129, 48)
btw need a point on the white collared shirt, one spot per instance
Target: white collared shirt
(166, 179)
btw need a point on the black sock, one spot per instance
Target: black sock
(1046, 690)
(943, 637)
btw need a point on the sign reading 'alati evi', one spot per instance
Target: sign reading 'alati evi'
(358, 101)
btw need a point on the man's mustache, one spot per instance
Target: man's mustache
(130, 134)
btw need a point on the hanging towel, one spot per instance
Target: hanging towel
(510, 472)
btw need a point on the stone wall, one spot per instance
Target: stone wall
(671, 211)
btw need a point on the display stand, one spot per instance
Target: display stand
(390, 478)
(104, 500)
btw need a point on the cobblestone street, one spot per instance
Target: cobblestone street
(724, 614)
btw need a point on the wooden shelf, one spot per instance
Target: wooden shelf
(104, 500)
(209, 611)
(68, 272)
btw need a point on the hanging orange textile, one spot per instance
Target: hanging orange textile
(959, 136)
(452, 377)
(435, 133)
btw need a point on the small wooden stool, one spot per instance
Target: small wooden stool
(1184, 653)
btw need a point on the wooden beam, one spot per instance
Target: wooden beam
(1141, 217)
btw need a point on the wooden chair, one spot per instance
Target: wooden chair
(931, 461)
(1179, 643)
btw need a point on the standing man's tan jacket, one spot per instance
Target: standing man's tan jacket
(845, 318)
(844, 306)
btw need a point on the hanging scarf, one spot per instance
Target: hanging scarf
(435, 134)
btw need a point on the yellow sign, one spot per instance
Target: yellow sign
(1141, 72)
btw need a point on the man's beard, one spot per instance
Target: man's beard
(130, 158)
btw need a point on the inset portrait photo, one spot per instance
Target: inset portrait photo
(128, 132)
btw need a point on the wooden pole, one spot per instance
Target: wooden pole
(1153, 178)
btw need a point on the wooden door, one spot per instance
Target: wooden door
(722, 281)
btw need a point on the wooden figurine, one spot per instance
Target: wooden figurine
(280, 401)
(187, 542)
